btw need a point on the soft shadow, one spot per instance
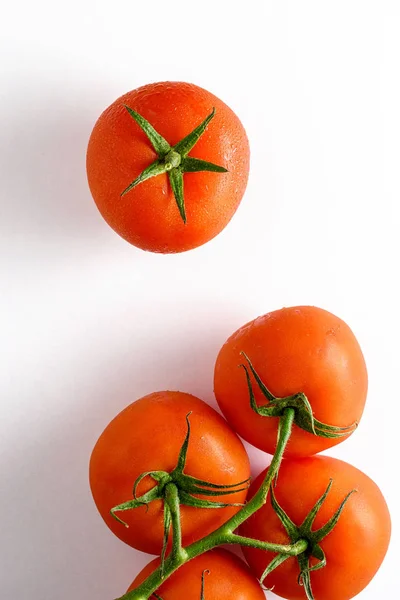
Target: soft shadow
(68, 552)
(42, 152)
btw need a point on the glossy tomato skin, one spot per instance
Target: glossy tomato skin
(229, 579)
(354, 549)
(119, 151)
(147, 436)
(298, 349)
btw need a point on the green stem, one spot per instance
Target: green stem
(287, 550)
(225, 533)
(172, 499)
(260, 497)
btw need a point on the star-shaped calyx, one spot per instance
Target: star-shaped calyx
(305, 532)
(173, 160)
(304, 417)
(175, 489)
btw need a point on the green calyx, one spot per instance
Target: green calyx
(304, 417)
(173, 160)
(304, 532)
(175, 489)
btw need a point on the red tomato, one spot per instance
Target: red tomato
(148, 436)
(355, 548)
(119, 151)
(229, 578)
(300, 349)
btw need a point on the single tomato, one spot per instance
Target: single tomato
(148, 437)
(303, 352)
(226, 577)
(354, 549)
(178, 185)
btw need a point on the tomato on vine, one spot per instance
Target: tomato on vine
(303, 357)
(342, 515)
(315, 521)
(167, 166)
(168, 461)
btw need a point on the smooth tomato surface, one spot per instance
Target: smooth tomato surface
(119, 151)
(229, 579)
(354, 549)
(299, 349)
(147, 436)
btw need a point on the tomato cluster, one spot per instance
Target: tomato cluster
(169, 475)
(294, 350)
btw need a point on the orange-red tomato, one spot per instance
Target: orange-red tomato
(300, 349)
(119, 151)
(229, 578)
(355, 548)
(147, 436)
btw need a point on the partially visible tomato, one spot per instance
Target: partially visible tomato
(119, 151)
(147, 436)
(299, 349)
(355, 548)
(229, 578)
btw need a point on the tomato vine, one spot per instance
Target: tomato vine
(304, 546)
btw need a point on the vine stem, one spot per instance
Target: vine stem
(225, 534)
(172, 499)
(288, 550)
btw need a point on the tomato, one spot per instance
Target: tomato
(299, 349)
(354, 549)
(147, 436)
(119, 151)
(229, 578)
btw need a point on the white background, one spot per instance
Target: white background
(90, 323)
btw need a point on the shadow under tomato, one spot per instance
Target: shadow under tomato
(63, 544)
(43, 152)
